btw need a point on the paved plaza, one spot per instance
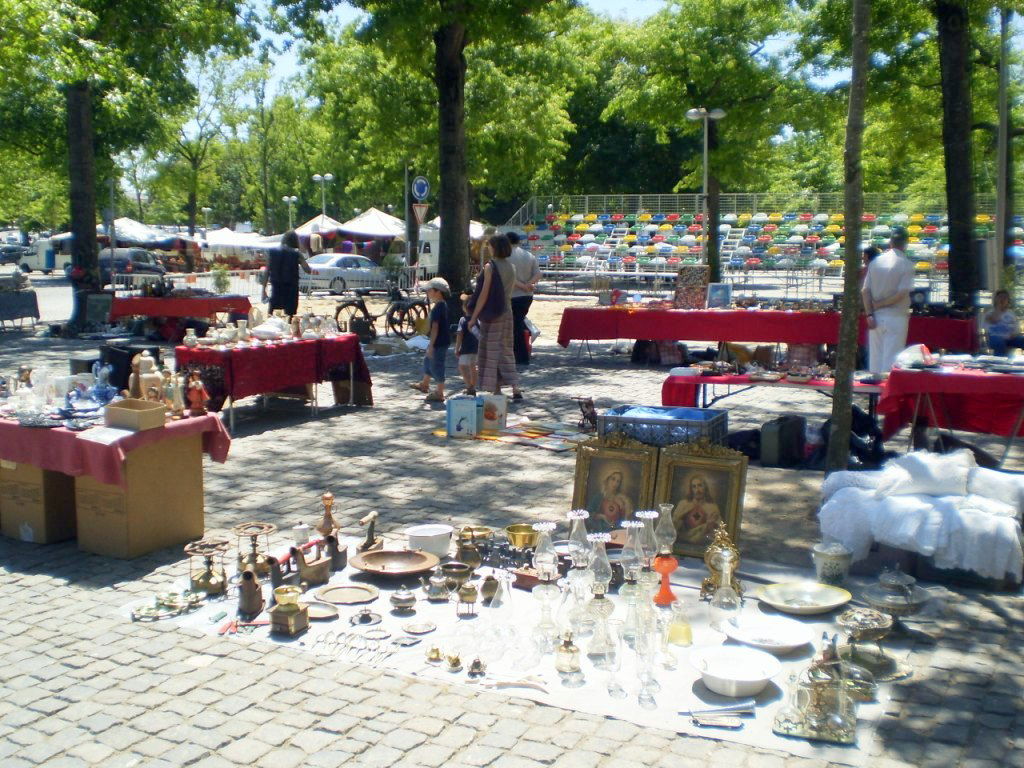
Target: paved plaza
(81, 685)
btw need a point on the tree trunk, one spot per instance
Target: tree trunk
(954, 39)
(450, 78)
(842, 401)
(714, 206)
(82, 185)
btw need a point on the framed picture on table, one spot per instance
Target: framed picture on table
(719, 295)
(614, 478)
(704, 483)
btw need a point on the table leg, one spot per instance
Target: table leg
(934, 418)
(351, 383)
(913, 422)
(1013, 436)
(231, 416)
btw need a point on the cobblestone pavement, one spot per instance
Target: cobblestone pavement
(80, 685)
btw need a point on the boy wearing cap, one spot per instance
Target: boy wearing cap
(440, 340)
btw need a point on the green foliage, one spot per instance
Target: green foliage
(221, 278)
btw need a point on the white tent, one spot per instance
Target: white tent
(476, 229)
(374, 223)
(321, 223)
(229, 238)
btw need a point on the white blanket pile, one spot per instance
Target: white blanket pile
(939, 505)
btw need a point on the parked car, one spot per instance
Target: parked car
(340, 272)
(13, 254)
(129, 261)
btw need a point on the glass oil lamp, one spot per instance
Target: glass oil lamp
(580, 547)
(600, 608)
(578, 580)
(567, 662)
(631, 591)
(546, 593)
(665, 564)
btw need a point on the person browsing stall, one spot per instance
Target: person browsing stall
(440, 339)
(886, 295)
(282, 273)
(527, 276)
(1001, 325)
(467, 342)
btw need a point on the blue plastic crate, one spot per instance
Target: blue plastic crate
(665, 425)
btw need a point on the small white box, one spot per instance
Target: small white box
(462, 417)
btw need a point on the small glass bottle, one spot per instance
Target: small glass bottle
(679, 630)
(567, 662)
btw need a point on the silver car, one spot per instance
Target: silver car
(340, 272)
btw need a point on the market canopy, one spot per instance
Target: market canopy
(229, 238)
(322, 224)
(374, 223)
(476, 229)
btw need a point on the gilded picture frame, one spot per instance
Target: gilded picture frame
(705, 485)
(614, 478)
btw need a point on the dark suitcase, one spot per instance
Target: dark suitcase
(782, 441)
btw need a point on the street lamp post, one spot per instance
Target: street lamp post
(290, 200)
(206, 217)
(323, 181)
(704, 114)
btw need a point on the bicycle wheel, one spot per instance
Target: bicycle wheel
(348, 310)
(402, 320)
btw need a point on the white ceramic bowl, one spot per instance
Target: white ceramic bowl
(803, 598)
(774, 634)
(735, 672)
(435, 538)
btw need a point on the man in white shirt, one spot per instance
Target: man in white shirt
(527, 277)
(886, 295)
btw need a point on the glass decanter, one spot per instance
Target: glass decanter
(679, 630)
(726, 603)
(665, 564)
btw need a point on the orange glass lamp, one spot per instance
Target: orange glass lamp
(665, 563)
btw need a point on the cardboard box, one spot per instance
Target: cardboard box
(136, 415)
(461, 417)
(36, 505)
(161, 505)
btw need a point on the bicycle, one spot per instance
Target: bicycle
(401, 316)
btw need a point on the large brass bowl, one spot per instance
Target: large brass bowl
(395, 563)
(521, 536)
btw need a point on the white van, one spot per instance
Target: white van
(430, 247)
(43, 257)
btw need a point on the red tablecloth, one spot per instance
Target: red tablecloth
(61, 450)
(177, 306)
(682, 390)
(761, 325)
(246, 371)
(974, 401)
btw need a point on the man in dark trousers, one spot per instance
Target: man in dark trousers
(527, 277)
(282, 273)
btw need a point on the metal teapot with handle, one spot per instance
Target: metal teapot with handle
(435, 588)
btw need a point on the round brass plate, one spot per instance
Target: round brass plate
(321, 611)
(347, 594)
(394, 563)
